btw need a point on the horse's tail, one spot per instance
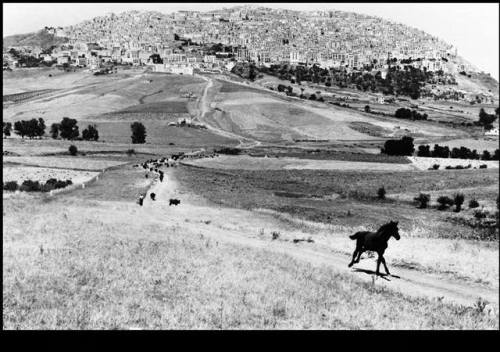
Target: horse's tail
(356, 235)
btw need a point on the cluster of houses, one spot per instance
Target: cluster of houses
(261, 35)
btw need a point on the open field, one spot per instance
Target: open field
(181, 271)
(423, 163)
(346, 198)
(42, 174)
(244, 162)
(81, 163)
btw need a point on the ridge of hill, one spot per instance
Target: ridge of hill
(40, 39)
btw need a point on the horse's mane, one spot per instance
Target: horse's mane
(384, 228)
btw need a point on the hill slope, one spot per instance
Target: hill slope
(40, 39)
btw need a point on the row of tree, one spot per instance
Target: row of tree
(408, 114)
(455, 153)
(28, 128)
(66, 129)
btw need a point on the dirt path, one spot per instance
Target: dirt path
(204, 108)
(242, 227)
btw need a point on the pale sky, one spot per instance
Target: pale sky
(473, 28)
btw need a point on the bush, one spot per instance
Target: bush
(483, 166)
(10, 186)
(423, 200)
(381, 193)
(435, 166)
(73, 150)
(130, 152)
(458, 200)
(473, 203)
(30, 186)
(445, 202)
(480, 214)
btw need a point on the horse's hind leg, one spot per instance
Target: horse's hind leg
(353, 257)
(359, 255)
(379, 260)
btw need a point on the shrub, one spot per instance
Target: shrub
(483, 166)
(275, 235)
(30, 186)
(73, 150)
(381, 193)
(435, 166)
(473, 203)
(480, 214)
(130, 152)
(10, 186)
(458, 200)
(445, 202)
(423, 200)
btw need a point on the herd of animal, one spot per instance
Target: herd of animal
(153, 165)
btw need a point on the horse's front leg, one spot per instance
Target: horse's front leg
(385, 266)
(353, 256)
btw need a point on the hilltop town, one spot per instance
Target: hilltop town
(185, 41)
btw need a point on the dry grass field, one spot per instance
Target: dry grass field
(80, 163)
(86, 263)
(245, 162)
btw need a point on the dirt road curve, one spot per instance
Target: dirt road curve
(242, 227)
(204, 108)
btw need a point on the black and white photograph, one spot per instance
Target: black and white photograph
(250, 166)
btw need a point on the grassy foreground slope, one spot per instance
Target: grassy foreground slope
(81, 263)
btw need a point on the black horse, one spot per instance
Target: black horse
(374, 241)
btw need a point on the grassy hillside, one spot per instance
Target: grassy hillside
(40, 38)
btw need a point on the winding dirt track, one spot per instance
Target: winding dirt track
(204, 108)
(242, 227)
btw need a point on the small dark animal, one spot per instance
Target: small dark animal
(141, 200)
(374, 241)
(174, 202)
(153, 196)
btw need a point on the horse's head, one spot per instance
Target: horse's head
(394, 230)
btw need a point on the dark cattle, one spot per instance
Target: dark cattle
(141, 200)
(174, 202)
(153, 196)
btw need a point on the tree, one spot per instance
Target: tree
(381, 193)
(39, 128)
(7, 127)
(458, 200)
(68, 128)
(367, 108)
(54, 130)
(423, 200)
(73, 150)
(90, 133)
(424, 151)
(138, 133)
